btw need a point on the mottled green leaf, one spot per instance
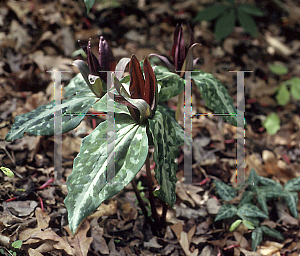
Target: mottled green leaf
(251, 9)
(225, 25)
(268, 182)
(271, 192)
(41, 120)
(247, 22)
(87, 185)
(257, 237)
(271, 232)
(253, 221)
(171, 83)
(246, 197)
(225, 191)
(226, 211)
(166, 145)
(89, 4)
(181, 136)
(77, 86)
(211, 12)
(263, 202)
(215, 95)
(234, 225)
(253, 178)
(292, 185)
(291, 199)
(251, 210)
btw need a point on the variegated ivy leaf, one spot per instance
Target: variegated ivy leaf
(250, 210)
(257, 237)
(76, 86)
(291, 199)
(226, 211)
(216, 96)
(41, 120)
(292, 185)
(166, 145)
(225, 191)
(271, 232)
(171, 83)
(263, 202)
(87, 185)
(181, 136)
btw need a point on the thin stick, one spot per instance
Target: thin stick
(151, 195)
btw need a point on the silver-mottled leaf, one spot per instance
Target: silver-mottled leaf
(87, 185)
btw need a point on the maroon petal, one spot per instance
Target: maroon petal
(179, 51)
(93, 62)
(106, 57)
(175, 40)
(149, 92)
(137, 83)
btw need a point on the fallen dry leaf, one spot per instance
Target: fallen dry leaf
(80, 242)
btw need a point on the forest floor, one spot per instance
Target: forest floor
(37, 36)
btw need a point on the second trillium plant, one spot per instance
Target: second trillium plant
(116, 150)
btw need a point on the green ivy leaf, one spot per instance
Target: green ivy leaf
(254, 221)
(215, 95)
(171, 83)
(226, 211)
(257, 237)
(247, 22)
(234, 225)
(87, 186)
(211, 12)
(291, 199)
(225, 191)
(166, 150)
(283, 95)
(250, 210)
(271, 232)
(251, 9)
(76, 86)
(292, 185)
(225, 25)
(272, 123)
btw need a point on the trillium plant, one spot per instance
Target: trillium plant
(137, 118)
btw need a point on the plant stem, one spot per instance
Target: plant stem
(164, 215)
(179, 104)
(139, 198)
(151, 195)
(143, 208)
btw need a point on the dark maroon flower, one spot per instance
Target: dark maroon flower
(106, 60)
(142, 98)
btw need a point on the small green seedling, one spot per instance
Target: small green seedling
(7, 171)
(227, 13)
(257, 189)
